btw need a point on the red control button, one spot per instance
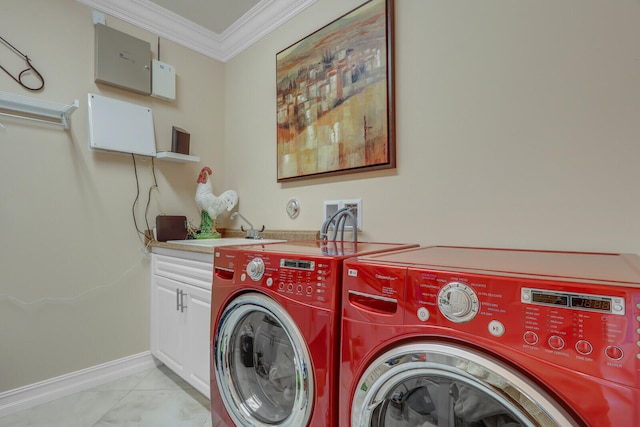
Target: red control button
(530, 338)
(614, 352)
(556, 342)
(584, 347)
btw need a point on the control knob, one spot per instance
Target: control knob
(458, 302)
(255, 269)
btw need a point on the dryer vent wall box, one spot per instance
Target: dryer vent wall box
(163, 80)
(120, 126)
(122, 60)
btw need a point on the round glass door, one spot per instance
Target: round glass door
(262, 364)
(441, 385)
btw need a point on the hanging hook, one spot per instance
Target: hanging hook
(30, 67)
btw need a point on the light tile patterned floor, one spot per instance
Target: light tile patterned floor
(153, 398)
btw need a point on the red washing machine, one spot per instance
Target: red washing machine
(275, 331)
(473, 337)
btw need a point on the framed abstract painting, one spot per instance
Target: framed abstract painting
(335, 97)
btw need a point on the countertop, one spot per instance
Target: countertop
(268, 234)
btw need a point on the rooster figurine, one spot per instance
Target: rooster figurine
(211, 205)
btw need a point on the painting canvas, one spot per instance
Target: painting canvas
(335, 97)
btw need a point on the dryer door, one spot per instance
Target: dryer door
(262, 364)
(438, 384)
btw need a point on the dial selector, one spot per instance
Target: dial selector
(458, 302)
(255, 269)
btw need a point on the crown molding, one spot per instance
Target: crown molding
(259, 21)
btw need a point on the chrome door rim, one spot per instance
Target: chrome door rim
(232, 314)
(487, 374)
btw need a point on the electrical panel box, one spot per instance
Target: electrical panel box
(163, 80)
(122, 60)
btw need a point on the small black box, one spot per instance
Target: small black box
(171, 227)
(180, 141)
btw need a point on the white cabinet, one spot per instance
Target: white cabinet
(197, 342)
(181, 313)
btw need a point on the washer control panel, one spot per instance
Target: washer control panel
(301, 278)
(584, 326)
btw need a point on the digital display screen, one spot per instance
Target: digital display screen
(298, 264)
(599, 303)
(549, 298)
(591, 303)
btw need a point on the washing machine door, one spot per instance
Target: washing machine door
(443, 385)
(262, 364)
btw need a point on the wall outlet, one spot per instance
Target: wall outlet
(98, 17)
(333, 206)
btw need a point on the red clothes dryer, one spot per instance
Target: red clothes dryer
(275, 332)
(473, 337)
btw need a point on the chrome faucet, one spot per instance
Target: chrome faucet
(251, 233)
(339, 220)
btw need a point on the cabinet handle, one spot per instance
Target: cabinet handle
(180, 300)
(182, 306)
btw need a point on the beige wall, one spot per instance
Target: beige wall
(517, 126)
(66, 228)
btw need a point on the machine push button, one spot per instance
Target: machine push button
(496, 328)
(614, 352)
(530, 338)
(423, 314)
(584, 347)
(556, 342)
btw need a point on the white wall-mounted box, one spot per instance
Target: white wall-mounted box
(120, 126)
(163, 80)
(333, 206)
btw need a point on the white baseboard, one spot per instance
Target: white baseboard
(35, 394)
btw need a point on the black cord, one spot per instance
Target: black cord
(133, 207)
(155, 185)
(30, 67)
(153, 171)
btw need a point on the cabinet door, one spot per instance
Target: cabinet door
(197, 348)
(167, 323)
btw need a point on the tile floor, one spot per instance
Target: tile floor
(153, 398)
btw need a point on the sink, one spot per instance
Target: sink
(225, 241)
